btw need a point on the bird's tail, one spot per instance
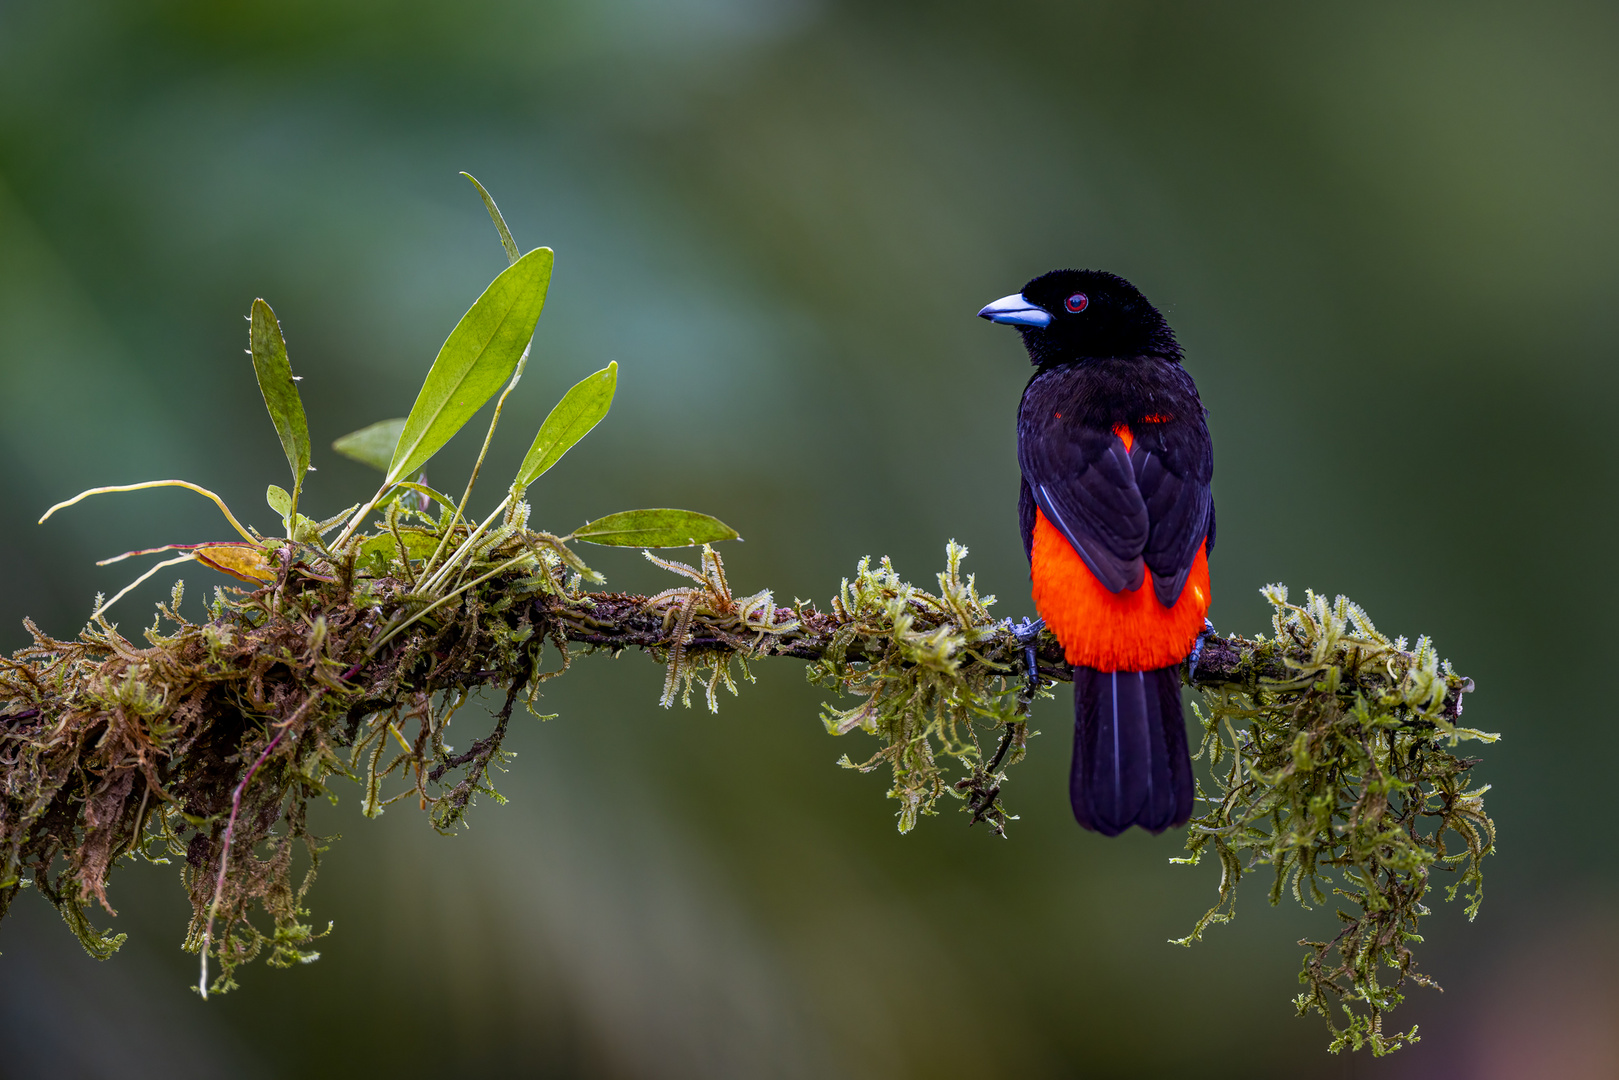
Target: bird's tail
(1131, 765)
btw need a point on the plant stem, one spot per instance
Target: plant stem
(465, 547)
(517, 374)
(501, 569)
(359, 516)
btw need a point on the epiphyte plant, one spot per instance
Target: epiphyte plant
(1326, 748)
(439, 558)
(488, 347)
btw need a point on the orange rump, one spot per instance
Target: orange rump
(1125, 631)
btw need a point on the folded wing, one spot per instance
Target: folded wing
(1084, 483)
(1124, 511)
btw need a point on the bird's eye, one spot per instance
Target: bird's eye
(1077, 303)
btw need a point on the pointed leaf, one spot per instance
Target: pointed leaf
(279, 500)
(655, 528)
(506, 240)
(477, 358)
(280, 391)
(374, 445)
(580, 409)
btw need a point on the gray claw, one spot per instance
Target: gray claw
(1197, 652)
(1027, 634)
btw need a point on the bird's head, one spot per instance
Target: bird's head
(1069, 316)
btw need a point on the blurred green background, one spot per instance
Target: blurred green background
(1384, 232)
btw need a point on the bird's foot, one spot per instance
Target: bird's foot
(1027, 634)
(1197, 652)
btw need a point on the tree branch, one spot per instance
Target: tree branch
(618, 621)
(340, 669)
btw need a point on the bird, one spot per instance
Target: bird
(1117, 519)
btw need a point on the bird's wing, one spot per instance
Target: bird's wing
(1172, 475)
(1083, 482)
(1181, 514)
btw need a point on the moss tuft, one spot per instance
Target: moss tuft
(1338, 773)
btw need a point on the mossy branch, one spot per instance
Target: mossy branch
(619, 621)
(207, 743)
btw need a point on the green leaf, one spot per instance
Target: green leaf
(374, 445)
(279, 501)
(580, 409)
(280, 390)
(655, 528)
(377, 554)
(506, 240)
(477, 357)
(420, 545)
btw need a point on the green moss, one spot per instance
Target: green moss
(1326, 754)
(931, 668)
(1339, 776)
(1327, 747)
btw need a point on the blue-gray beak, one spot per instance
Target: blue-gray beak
(1015, 311)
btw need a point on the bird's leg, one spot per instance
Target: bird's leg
(1197, 652)
(1027, 634)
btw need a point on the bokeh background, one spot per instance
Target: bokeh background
(1384, 233)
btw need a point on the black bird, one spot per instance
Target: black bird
(1118, 524)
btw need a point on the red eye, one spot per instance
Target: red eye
(1077, 303)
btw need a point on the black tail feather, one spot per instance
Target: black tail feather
(1131, 764)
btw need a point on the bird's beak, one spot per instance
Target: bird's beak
(1015, 311)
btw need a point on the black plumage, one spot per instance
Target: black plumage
(1106, 360)
(1131, 765)
(1150, 506)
